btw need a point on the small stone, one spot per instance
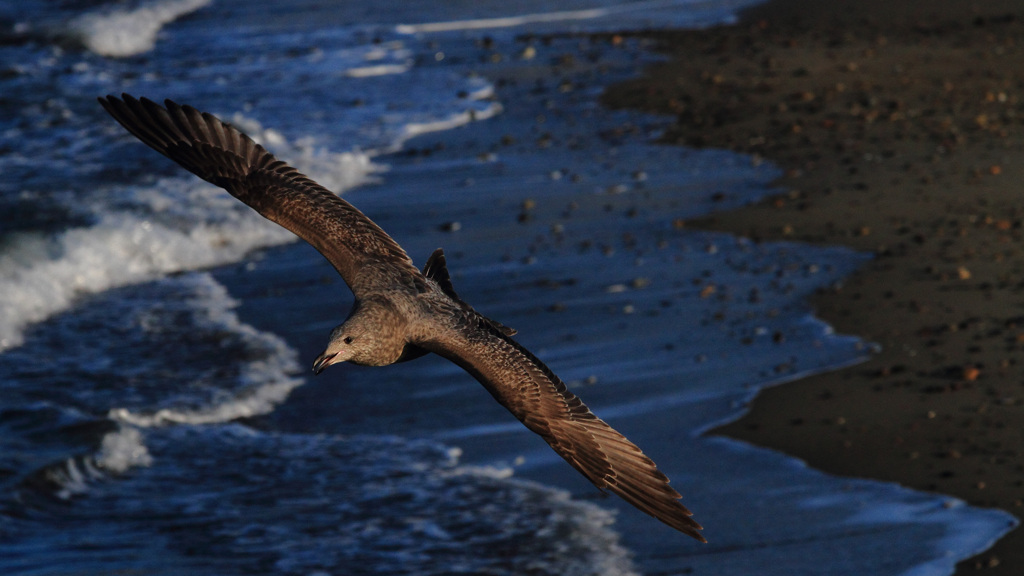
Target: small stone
(640, 282)
(971, 373)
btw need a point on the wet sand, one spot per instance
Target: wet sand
(900, 127)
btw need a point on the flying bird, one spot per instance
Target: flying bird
(401, 313)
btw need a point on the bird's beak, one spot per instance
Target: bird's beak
(322, 362)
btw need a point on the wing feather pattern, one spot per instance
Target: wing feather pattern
(541, 401)
(370, 261)
(222, 155)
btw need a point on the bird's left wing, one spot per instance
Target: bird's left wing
(223, 155)
(540, 400)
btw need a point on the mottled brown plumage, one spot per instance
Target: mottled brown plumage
(401, 313)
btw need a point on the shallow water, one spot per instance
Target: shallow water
(156, 408)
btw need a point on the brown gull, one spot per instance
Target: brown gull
(399, 312)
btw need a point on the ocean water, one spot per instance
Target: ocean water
(157, 413)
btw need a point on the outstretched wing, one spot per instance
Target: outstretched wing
(221, 154)
(540, 400)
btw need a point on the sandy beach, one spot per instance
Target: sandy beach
(899, 127)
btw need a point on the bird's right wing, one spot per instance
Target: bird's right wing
(221, 154)
(540, 400)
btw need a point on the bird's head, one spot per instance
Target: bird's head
(363, 339)
(341, 347)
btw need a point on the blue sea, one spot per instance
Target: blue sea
(158, 415)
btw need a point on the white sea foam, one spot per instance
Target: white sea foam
(337, 171)
(73, 477)
(318, 503)
(366, 61)
(454, 121)
(537, 18)
(119, 451)
(973, 534)
(128, 32)
(264, 382)
(142, 233)
(378, 70)
(251, 402)
(503, 22)
(44, 276)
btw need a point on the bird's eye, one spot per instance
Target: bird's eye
(348, 339)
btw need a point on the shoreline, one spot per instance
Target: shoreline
(900, 128)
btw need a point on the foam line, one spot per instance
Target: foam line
(526, 19)
(142, 233)
(123, 33)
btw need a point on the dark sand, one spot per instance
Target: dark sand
(900, 126)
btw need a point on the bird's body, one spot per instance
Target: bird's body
(400, 312)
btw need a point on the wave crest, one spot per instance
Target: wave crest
(123, 33)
